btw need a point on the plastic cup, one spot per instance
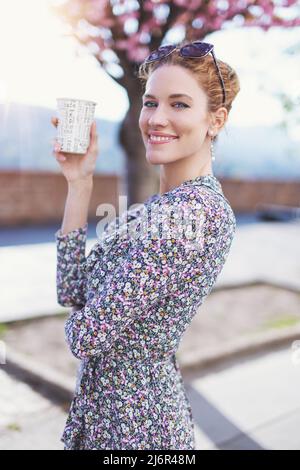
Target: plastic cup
(75, 119)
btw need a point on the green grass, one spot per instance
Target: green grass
(13, 427)
(3, 329)
(281, 322)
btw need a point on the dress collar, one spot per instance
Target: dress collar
(207, 180)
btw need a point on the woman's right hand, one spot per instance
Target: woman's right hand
(77, 167)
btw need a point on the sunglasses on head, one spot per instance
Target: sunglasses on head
(193, 50)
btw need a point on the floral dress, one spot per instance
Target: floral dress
(136, 293)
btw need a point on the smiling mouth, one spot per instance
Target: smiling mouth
(161, 140)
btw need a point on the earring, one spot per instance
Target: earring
(212, 150)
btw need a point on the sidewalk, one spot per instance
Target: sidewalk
(267, 252)
(252, 404)
(28, 420)
(28, 280)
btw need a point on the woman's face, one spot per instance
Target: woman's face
(184, 117)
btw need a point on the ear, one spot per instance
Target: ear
(218, 119)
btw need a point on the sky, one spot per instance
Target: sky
(40, 63)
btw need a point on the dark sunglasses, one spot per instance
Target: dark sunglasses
(194, 49)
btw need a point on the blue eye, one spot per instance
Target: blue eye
(147, 102)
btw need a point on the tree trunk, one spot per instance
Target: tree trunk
(141, 178)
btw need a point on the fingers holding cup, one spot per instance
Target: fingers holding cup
(54, 121)
(93, 146)
(60, 156)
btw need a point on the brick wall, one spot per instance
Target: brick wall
(30, 197)
(244, 195)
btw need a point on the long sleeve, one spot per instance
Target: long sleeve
(70, 268)
(154, 268)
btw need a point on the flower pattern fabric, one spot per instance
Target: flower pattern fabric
(135, 294)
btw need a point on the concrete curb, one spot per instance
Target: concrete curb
(257, 342)
(62, 387)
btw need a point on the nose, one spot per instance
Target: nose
(158, 117)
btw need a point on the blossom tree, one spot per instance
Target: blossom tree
(121, 33)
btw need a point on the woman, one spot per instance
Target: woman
(139, 292)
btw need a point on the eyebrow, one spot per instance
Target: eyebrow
(174, 95)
